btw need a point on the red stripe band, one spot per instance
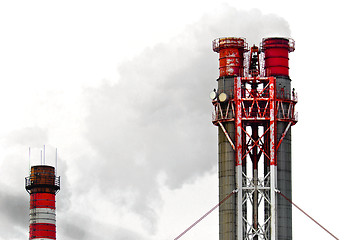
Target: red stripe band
(42, 200)
(43, 230)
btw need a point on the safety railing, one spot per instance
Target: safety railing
(288, 117)
(42, 181)
(219, 117)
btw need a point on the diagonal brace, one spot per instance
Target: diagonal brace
(227, 136)
(283, 135)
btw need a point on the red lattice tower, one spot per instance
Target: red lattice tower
(254, 115)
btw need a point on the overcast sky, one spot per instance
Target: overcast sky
(121, 90)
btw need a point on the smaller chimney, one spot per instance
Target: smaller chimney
(42, 185)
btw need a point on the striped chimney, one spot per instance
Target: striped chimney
(42, 185)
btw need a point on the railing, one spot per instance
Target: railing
(263, 93)
(217, 117)
(254, 113)
(288, 117)
(31, 182)
(229, 42)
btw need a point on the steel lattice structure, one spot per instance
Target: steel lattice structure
(254, 108)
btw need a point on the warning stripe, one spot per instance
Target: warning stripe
(42, 200)
(42, 215)
(42, 230)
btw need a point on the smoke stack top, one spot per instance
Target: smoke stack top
(230, 51)
(276, 55)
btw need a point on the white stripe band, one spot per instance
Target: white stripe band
(42, 215)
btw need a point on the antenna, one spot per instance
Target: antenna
(56, 160)
(29, 161)
(41, 157)
(44, 154)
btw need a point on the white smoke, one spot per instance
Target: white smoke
(150, 129)
(154, 123)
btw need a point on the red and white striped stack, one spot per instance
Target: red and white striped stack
(42, 184)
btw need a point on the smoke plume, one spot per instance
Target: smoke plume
(153, 127)
(149, 130)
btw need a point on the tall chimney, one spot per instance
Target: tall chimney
(231, 56)
(42, 185)
(254, 109)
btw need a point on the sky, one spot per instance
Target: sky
(120, 89)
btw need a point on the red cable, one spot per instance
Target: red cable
(205, 215)
(279, 192)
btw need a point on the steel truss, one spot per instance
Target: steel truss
(255, 106)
